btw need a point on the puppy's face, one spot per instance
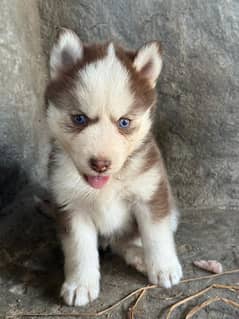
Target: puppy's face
(100, 101)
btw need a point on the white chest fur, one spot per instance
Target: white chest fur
(111, 217)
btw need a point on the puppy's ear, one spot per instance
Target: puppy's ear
(148, 62)
(66, 52)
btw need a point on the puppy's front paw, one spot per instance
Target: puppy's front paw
(78, 294)
(165, 273)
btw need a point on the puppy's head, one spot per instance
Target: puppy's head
(100, 101)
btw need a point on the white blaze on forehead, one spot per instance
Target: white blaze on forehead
(104, 86)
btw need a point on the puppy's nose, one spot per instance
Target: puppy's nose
(100, 165)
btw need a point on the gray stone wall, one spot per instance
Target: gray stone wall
(23, 139)
(198, 110)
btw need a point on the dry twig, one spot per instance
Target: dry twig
(133, 308)
(139, 291)
(199, 293)
(197, 308)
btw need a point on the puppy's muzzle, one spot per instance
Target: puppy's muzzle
(99, 165)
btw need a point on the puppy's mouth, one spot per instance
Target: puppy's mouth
(96, 181)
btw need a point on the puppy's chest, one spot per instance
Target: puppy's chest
(112, 217)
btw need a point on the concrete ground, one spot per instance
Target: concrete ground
(31, 267)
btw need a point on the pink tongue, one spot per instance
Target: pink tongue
(97, 181)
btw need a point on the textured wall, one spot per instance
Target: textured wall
(22, 80)
(198, 113)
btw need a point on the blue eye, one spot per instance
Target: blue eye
(124, 123)
(79, 119)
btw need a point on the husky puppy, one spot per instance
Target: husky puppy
(107, 175)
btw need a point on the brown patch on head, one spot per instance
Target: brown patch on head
(69, 55)
(145, 95)
(61, 89)
(93, 53)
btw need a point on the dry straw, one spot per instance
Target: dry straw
(140, 293)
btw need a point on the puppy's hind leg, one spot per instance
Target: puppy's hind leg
(132, 253)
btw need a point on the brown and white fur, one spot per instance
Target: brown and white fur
(134, 210)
